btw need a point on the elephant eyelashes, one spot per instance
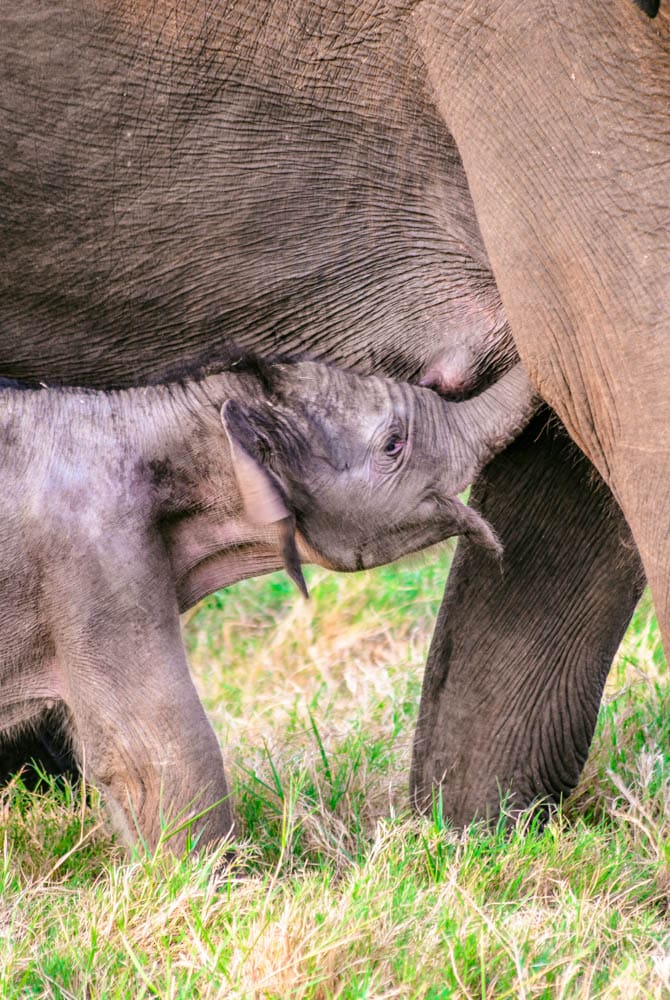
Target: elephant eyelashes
(394, 445)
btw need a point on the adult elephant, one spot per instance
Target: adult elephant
(560, 113)
(281, 175)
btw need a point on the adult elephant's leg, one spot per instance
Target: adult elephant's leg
(521, 650)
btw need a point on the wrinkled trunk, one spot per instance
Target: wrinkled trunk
(475, 431)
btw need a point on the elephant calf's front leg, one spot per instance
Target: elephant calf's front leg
(143, 738)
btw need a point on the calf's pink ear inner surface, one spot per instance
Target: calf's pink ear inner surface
(262, 499)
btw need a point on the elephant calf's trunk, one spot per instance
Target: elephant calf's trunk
(482, 427)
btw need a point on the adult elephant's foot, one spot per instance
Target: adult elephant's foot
(521, 650)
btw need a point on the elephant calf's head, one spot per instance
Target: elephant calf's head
(361, 471)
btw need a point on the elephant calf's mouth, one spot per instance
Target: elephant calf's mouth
(310, 554)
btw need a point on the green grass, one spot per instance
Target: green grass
(338, 891)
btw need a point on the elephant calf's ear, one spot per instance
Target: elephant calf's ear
(289, 551)
(261, 493)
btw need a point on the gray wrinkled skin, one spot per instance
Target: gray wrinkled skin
(175, 178)
(284, 173)
(120, 509)
(272, 174)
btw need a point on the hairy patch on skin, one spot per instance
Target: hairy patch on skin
(216, 360)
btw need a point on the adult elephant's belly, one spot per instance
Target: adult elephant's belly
(164, 199)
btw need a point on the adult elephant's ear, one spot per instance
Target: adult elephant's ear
(262, 494)
(650, 7)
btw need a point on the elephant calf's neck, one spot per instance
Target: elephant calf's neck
(176, 432)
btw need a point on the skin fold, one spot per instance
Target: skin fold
(284, 176)
(121, 509)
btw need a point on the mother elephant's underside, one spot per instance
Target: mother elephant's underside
(281, 175)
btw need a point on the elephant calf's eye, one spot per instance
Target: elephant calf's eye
(394, 445)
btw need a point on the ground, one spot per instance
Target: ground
(337, 890)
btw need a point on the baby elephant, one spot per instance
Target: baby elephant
(120, 509)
